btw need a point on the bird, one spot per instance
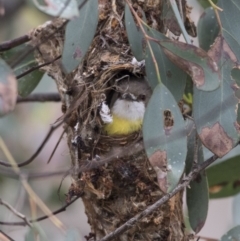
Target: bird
(128, 106)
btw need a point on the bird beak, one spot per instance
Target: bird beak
(129, 97)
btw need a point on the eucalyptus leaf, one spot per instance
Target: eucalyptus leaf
(206, 4)
(207, 29)
(215, 112)
(236, 210)
(164, 136)
(79, 35)
(197, 192)
(59, 8)
(224, 178)
(230, 19)
(232, 235)
(194, 61)
(171, 75)
(28, 82)
(135, 35)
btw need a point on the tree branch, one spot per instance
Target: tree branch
(14, 43)
(43, 217)
(40, 97)
(37, 67)
(25, 53)
(14, 211)
(31, 159)
(5, 237)
(150, 209)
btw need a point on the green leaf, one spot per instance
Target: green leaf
(230, 18)
(207, 29)
(8, 89)
(169, 19)
(197, 193)
(172, 76)
(59, 8)
(79, 35)
(232, 235)
(195, 61)
(135, 35)
(72, 235)
(236, 210)
(29, 82)
(205, 3)
(215, 112)
(224, 178)
(164, 136)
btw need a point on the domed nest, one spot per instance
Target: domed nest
(113, 172)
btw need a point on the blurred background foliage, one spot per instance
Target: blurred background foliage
(23, 131)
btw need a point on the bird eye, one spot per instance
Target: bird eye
(142, 97)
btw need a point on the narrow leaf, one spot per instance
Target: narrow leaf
(29, 82)
(197, 193)
(236, 210)
(232, 235)
(172, 76)
(8, 89)
(59, 8)
(164, 136)
(79, 35)
(207, 29)
(224, 178)
(230, 18)
(135, 35)
(206, 4)
(215, 112)
(194, 61)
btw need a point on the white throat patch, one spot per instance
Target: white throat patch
(131, 110)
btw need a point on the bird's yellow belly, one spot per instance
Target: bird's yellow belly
(120, 126)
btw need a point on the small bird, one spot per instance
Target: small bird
(128, 106)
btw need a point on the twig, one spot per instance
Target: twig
(31, 159)
(5, 237)
(13, 210)
(43, 217)
(40, 97)
(56, 146)
(14, 43)
(25, 53)
(35, 175)
(185, 182)
(37, 67)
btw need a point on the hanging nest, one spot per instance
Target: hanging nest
(126, 183)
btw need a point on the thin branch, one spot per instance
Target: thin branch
(35, 175)
(150, 209)
(31, 159)
(5, 237)
(43, 217)
(37, 67)
(14, 211)
(25, 53)
(40, 97)
(56, 146)
(14, 43)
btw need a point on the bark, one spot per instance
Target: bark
(126, 183)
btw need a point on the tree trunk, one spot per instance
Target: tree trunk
(126, 183)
